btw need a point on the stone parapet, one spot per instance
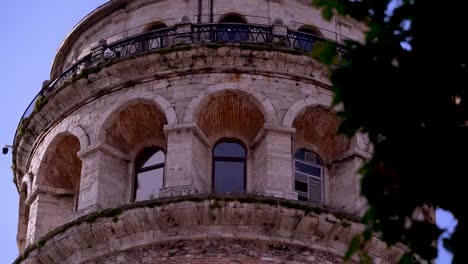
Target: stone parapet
(174, 229)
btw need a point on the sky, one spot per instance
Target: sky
(31, 32)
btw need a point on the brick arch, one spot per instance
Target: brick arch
(263, 103)
(300, 106)
(230, 114)
(60, 166)
(132, 124)
(316, 130)
(130, 99)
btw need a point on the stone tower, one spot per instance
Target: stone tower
(191, 131)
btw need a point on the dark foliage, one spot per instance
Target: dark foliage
(406, 87)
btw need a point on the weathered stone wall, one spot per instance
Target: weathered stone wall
(179, 86)
(259, 231)
(77, 157)
(221, 251)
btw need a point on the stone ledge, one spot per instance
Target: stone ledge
(248, 218)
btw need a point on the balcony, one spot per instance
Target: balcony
(164, 41)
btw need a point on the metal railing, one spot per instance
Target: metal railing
(183, 34)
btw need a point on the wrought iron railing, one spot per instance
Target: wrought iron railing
(186, 34)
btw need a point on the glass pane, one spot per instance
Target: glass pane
(306, 168)
(308, 156)
(229, 149)
(148, 184)
(302, 198)
(229, 177)
(156, 158)
(300, 154)
(300, 186)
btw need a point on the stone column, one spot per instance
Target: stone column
(186, 161)
(184, 33)
(344, 191)
(97, 52)
(280, 35)
(273, 162)
(104, 178)
(49, 208)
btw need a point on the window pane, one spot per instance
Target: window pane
(300, 154)
(309, 169)
(300, 186)
(302, 198)
(229, 177)
(156, 158)
(148, 184)
(229, 149)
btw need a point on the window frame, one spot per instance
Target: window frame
(225, 26)
(139, 169)
(231, 159)
(308, 176)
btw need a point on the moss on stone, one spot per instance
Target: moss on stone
(215, 205)
(40, 243)
(112, 212)
(41, 101)
(173, 49)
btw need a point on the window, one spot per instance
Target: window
(233, 29)
(306, 41)
(229, 167)
(155, 40)
(149, 172)
(308, 173)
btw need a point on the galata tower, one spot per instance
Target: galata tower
(191, 131)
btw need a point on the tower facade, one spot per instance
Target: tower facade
(191, 131)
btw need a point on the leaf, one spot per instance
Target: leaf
(325, 52)
(407, 259)
(354, 247)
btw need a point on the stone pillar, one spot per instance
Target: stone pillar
(23, 219)
(344, 185)
(97, 52)
(105, 178)
(280, 35)
(273, 163)
(49, 208)
(186, 161)
(183, 33)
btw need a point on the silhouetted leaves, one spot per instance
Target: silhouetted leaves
(406, 87)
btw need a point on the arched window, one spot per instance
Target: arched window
(229, 167)
(232, 18)
(308, 172)
(306, 41)
(149, 173)
(154, 40)
(233, 29)
(156, 27)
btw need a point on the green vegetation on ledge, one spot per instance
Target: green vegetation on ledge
(113, 213)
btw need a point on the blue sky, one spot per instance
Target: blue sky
(31, 33)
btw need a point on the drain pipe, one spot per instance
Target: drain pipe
(211, 11)
(199, 11)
